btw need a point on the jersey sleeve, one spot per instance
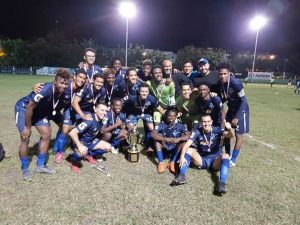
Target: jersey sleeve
(45, 92)
(81, 93)
(83, 126)
(158, 127)
(218, 102)
(194, 135)
(241, 94)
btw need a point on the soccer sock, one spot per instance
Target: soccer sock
(235, 154)
(55, 146)
(96, 152)
(148, 136)
(62, 141)
(75, 157)
(24, 162)
(227, 147)
(41, 159)
(115, 143)
(224, 170)
(175, 156)
(159, 155)
(184, 168)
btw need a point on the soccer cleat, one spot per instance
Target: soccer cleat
(231, 163)
(161, 167)
(75, 167)
(59, 157)
(172, 167)
(180, 179)
(221, 189)
(114, 150)
(90, 159)
(44, 169)
(26, 175)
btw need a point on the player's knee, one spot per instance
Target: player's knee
(45, 136)
(225, 156)
(106, 136)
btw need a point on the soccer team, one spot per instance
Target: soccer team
(182, 112)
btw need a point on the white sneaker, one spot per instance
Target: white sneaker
(114, 150)
(231, 164)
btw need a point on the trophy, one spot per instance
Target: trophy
(134, 138)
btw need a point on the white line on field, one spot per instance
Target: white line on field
(261, 142)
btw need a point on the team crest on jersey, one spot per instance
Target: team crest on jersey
(38, 97)
(82, 126)
(241, 93)
(211, 105)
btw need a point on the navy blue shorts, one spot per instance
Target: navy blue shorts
(147, 118)
(208, 161)
(243, 122)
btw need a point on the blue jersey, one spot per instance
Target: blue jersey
(120, 76)
(111, 92)
(88, 130)
(208, 143)
(233, 92)
(211, 106)
(92, 71)
(89, 98)
(45, 100)
(134, 106)
(111, 119)
(126, 89)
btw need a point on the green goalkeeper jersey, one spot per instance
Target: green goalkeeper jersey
(164, 93)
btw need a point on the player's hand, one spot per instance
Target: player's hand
(174, 140)
(176, 70)
(25, 133)
(234, 122)
(80, 65)
(38, 87)
(182, 161)
(213, 94)
(119, 122)
(168, 81)
(82, 150)
(167, 140)
(228, 126)
(87, 117)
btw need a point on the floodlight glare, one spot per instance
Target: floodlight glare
(258, 22)
(127, 9)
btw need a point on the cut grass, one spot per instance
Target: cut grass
(262, 189)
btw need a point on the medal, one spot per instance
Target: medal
(143, 107)
(54, 104)
(143, 115)
(109, 103)
(53, 112)
(208, 142)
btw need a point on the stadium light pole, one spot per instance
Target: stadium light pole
(128, 10)
(256, 24)
(285, 61)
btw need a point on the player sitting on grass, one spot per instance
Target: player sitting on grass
(169, 136)
(84, 136)
(114, 125)
(207, 153)
(37, 109)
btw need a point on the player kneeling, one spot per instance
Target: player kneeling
(170, 136)
(113, 129)
(84, 136)
(207, 153)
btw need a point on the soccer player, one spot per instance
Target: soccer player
(129, 86)
(207, 153)
(119, 72)
(114, 125)
(210, 105)
(69, 117)
(142, 107)
(186, 105)
(177, 78)
(232, 92)
(85, 101)
(84, 136)
(89, 56)
(111, 86)
(164, 93)
(145, 73)
(37, 109)
(170, 136)
(188, 71)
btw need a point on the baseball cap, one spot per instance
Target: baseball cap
(203, 60)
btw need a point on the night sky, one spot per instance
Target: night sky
(162, 24)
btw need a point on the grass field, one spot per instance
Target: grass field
(264, 187)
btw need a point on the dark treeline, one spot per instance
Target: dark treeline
(55, 50)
